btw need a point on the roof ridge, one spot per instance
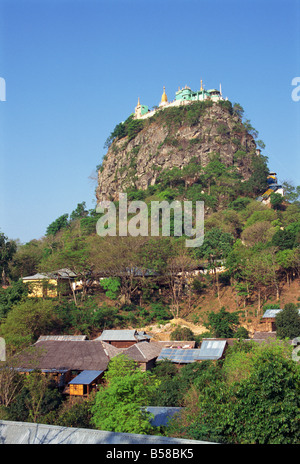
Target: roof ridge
(140, 351)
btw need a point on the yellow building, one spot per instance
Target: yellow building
(49, 284)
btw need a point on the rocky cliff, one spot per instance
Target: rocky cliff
(172, 138)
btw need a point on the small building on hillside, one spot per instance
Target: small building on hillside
(176, 343)
(76, 364)
(85, 382)
(211, 349)
(123, 338)
(269, 318)
(50, 284)
(63, 358)
(144, 354)
(273, 187)
(41, 286)
(261, 337)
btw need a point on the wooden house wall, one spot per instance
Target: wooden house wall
(121, 343)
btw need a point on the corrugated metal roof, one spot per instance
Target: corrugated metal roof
(31, 433)
(175, 343)
(180, 356)
(118, 335)
(62, 337)
(274, 312)
(64, 273)
(212, 349)
(37, 277)
(60, 273)
(162, 415)
(271, 312)
(143, 336)
(85, 377)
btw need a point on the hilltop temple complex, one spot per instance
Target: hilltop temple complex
(183, 96)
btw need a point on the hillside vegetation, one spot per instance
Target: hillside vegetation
(250, 256)
(249, 261)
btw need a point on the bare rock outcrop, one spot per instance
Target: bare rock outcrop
(172, 139)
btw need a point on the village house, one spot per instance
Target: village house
(211, 349)
(123, 338)
(77, 364)
(269, 319)
(50, 284)
(63, 358)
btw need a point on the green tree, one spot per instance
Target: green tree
(12, 295)
(75, 415)
(39, 399)
(60, 223)
(257, 184)
(178, 269)
(261, 273)
(119, 257)
(212, 171)
(287, 238)
(72, 252)
(112, 286)
(26, 321)
(291, 193)
(79, 212)
(259, 232)
(265, 215)
(239, 203)
(7, 250)
(266, 409)
(222, 324)
(253, 398)
(182, 333)
(276, 200)
(215, 248)
(238, 109)
(27, 258)
(175, 384)
(118, 406)
(288, 261)
(288, 322)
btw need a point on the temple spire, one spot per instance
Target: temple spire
(164, 98)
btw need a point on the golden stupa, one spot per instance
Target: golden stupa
(164, 98)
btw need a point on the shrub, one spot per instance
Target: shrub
(182, 333)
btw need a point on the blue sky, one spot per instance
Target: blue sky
(75, 68)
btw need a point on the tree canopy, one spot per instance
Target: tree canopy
(118, 406)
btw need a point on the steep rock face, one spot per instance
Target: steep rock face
(162, 145)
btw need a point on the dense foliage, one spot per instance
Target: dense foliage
(250, 249)
(251, 396)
